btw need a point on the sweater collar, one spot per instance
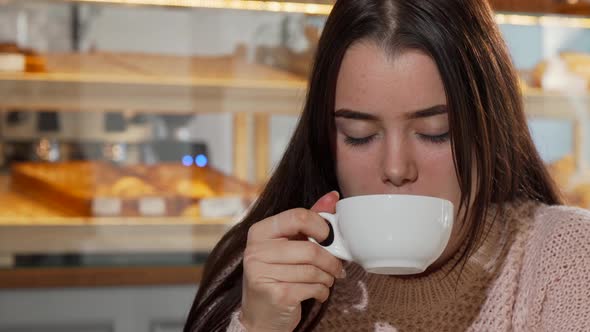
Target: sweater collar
(451, 280)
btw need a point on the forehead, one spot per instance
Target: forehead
(371, 80)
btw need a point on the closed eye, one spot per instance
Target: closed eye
(437, 139)
(353, 141)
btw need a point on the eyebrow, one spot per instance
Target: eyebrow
(424, 113)
(428, 112)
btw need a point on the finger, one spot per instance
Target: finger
(326, 203)
(301, 273)
(311, 291)
(290, 294)
(293, 252)
(289, 224)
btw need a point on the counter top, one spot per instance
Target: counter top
(98, 276)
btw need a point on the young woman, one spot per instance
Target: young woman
(407, 97)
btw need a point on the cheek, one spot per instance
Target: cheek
(437, 171)
(436, 162)
(357, 170)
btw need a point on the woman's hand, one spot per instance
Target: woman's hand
(282, 268)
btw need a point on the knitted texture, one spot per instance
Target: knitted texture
(530, 273)
(235, 325)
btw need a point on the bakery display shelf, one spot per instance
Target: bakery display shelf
(30, 227)
(100, 189)
(18, 237)
(156, 83)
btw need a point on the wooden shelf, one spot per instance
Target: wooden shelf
(99, 277)
(542, 6)
(573, 9)
(153, 83)
(34, 237)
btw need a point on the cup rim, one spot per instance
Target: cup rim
(390, 196)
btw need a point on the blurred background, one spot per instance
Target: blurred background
(133, 133)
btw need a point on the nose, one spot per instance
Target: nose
(399, 165)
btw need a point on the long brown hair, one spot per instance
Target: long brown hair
(488, 129)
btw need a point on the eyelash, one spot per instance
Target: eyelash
(438, 139)
(352, 141)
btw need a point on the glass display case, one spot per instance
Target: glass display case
(133, 133)
(140, 142)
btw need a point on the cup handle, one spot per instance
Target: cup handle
(337, 248)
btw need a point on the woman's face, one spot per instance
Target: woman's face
(393, 129)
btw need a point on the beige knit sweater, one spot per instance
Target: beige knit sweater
(532, 273)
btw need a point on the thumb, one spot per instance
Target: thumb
(326, 203)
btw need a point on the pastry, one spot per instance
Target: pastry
(130, 186)
(193, 188)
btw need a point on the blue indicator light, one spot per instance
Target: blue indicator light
(187, 160)
(201, 160)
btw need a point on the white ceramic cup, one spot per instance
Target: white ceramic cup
(391, 234)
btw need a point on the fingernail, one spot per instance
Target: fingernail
(342, 274)
(337, 194)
